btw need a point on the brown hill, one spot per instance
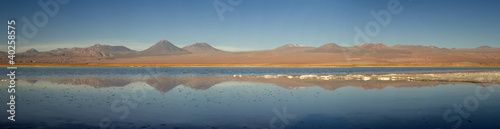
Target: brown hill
(92, 51)
(484, 47)
(201, 47)
(68, 53)
(108, 48)
(329, 47)
(487, 48)
(162, 48)
(80, 52)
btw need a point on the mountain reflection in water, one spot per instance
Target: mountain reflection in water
(84, 101)
(166, 83)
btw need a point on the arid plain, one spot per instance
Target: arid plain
(202, 54)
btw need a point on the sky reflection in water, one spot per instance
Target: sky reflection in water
(224, 102)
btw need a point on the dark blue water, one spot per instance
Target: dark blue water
(243, 105)
(68, 100)
(63, 71)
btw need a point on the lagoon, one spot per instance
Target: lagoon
(178, 97)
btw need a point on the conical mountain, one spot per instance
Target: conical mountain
(201, 47)
(163, 47)
(329, 47)
(31, 51)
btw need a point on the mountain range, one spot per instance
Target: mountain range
(166, 53)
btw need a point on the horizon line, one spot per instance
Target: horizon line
(228, 65)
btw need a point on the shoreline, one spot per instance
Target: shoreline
(471, 76)
(230, 65)
(164, 83)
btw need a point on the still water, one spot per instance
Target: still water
(204, 98)
(112, 71)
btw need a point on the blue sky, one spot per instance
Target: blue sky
(256, 24)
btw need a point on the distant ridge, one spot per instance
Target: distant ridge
(97, 50)
(163, 47)
(487, 48)
(371, 45)
(415, 47)
(484, 47)
(108, 48)
(201, 47)
(293, 47)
